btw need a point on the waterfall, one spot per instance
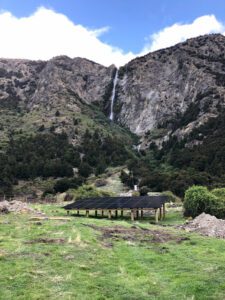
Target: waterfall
(113, 95)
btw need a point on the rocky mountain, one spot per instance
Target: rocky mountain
(56, 94)
(184, 84)
(59, 81)
(169, 104)
(166, 93)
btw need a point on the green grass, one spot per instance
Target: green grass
(84, 267)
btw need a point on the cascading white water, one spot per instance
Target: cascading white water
(111, 116)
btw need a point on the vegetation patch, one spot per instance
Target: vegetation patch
(86, 267)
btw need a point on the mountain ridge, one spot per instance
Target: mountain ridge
(164, 107)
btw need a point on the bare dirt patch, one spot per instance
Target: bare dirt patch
(136, 235)
(207, 225)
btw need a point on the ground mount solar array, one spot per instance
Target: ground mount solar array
(109, 204)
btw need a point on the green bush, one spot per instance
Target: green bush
(62, 185)
(219, 209)
(144, 191)
(172, 197)
(87, 191)
(197, 200)
(219, 192)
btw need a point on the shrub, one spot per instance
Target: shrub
(220, 193)
(100, 182)
(198, 200)
(219, 209)
(172, 197)
(48, 191)
(87, 191)
(144, 191)
(64, 184)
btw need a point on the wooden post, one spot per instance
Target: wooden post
(160, 213)
(157, 215)
(142, 213)
(164, 210)
(87, 213)
(121, 213)
(96, 213)
(68, 212)
(132, 215)
(137, 213)
(78, 212)
(116, 213)
(102, 213)
(110, 214)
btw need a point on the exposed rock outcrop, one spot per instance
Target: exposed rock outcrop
(166, 93)
(185, 82)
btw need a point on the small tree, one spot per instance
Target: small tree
(198, 200)
(144, 191)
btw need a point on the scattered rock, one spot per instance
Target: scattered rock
(3, 208)
(15, 206)
(207, 225)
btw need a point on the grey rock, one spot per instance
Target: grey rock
(166, 93)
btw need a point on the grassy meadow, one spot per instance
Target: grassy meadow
(89, 258)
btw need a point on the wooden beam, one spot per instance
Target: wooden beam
(121, 213)
(132, 215)
(102, 213)
(109, 214)
(116, 213)
(142, 213)
(78, 212)
(87, 213)
(96, 213)
(68, 212)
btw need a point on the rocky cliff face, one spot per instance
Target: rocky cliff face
(162, 94)
(52, 95)
(183, 83)
(60, 80)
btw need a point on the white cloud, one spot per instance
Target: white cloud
(46, 34)
(177, 33)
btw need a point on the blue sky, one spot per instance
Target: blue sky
(129, 24)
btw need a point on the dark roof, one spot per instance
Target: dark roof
(118, 202)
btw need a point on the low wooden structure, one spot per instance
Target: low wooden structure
(111, 205)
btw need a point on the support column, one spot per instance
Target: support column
(142, 213)
(78, 212)
(96, 213)
(68, 212)
(157, 215)
(109, 214)
(121, 213)
(102, 213)
(87, 213)
(137, 213)
(132, 215)
(116, 213)
(164, 210)
(160, 213)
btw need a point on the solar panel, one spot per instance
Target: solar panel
(118, 202)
